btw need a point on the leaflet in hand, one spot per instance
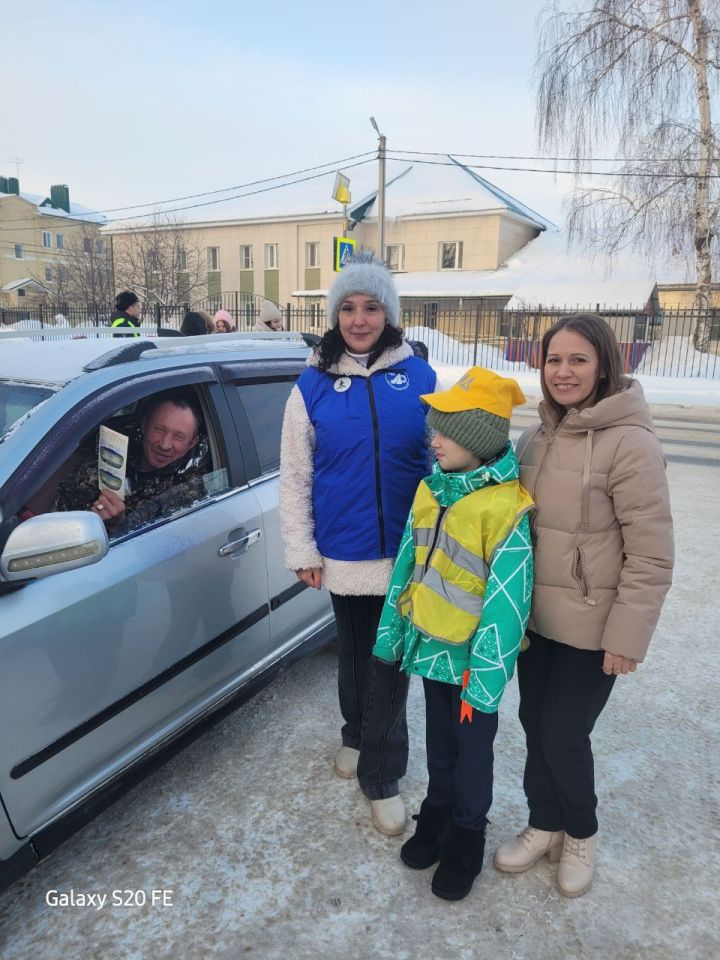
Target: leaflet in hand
(112, 460)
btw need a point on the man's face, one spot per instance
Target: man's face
(168, 434)
(134, 309)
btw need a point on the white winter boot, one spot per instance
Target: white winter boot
(523, 851)
(577, 866)
(346, 761)
(388, 816)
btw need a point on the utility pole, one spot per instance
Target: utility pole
(382, 150)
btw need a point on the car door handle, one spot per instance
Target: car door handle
(247, 541)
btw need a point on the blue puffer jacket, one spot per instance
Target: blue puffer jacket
(371, 452)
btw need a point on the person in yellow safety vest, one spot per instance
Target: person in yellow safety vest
(455, 614)
(127, 313)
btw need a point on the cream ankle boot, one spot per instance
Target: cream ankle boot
(523, 851)
(577, 865)
(346, 761)
(388, 816)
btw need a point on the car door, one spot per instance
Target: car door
(104, 663)
(257, 398)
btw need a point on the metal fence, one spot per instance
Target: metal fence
(660, 344)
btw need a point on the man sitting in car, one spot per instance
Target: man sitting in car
(163, 475)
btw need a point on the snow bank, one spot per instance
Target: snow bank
(451, 358)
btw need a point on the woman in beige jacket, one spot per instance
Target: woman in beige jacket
(603, 564)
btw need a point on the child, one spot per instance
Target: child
(455, 614)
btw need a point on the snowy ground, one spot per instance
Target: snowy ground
(269, 855)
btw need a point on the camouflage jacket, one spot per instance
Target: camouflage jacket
(149, 495)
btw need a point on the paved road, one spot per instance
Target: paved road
(688, 436)
(269, 855)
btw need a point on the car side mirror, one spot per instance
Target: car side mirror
(52, 543)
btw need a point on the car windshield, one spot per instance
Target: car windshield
(16, 399)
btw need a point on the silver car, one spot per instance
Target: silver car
(117, 646)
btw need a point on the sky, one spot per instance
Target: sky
(141, 102)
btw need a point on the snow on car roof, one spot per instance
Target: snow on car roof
(56, 362)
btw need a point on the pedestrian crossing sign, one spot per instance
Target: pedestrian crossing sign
(344, 250)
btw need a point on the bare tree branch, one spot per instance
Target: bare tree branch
(644, 73)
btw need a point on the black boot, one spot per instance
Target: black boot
(460, 862)
(423, 849)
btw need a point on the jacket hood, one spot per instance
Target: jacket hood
(627, 408)
(347, 367)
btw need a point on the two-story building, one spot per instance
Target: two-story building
(37, 234)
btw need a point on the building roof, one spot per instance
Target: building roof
(438, 189)
(77, 212)
(25, 282)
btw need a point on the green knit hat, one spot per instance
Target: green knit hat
(482, 433)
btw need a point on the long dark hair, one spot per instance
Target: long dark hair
(601, 335)
(332, 346)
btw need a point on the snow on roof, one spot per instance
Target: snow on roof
(25, 282)
(545, 272)
(77, 212)
(445, 188)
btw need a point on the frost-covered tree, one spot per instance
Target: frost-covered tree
(644, 75)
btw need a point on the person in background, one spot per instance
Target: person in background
(354, 448)
(223, 322)
(455, 614)
(603, 565)
(193, 325)
(127, 313)
(269, 318)
(209, 325)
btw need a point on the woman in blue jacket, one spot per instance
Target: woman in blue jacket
(354, 448)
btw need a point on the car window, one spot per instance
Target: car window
(264, 405)
(144, 463)
(17, 399)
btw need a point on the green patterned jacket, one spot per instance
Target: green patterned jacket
(491, 652)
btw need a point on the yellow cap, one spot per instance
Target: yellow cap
(479, 389)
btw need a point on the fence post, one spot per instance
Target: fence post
(288, 316)
(158, 317)
(477, 334)
(41, 311)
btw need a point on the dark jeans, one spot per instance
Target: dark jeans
(562, 693)
(372, 697)
(459, 755)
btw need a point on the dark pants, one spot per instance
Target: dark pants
(372, 697)
(459, 755)
(562, 693)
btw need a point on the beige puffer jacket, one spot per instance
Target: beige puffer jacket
(603, 529)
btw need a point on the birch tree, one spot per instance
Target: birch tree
(642, 75)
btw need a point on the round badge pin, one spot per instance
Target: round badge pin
(342, 384)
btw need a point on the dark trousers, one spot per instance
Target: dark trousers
(562, 693)
(372, 697)
(459, 755)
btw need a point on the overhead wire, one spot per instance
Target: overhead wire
(325, 167)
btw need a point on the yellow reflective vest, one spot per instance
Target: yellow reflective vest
(454, 548)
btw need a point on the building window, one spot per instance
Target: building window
(87, 245)
(450, 255)
(246, 257)
(59, 241)
(19, 253)
(21, 291)
(312, 254)
(395, 257)
(182, 259)
(99, 246)
(48, 274)
(213, 258)
(271, 256)
(47, 238)
(62, 274)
